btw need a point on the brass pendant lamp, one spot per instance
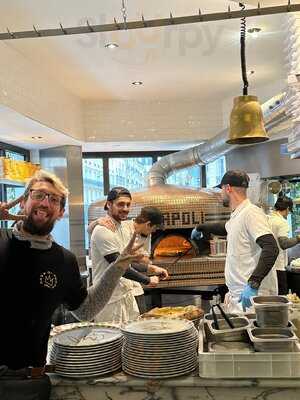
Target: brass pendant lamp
(246, 118)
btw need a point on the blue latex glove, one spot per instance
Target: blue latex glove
(196, 235)
(245, 296)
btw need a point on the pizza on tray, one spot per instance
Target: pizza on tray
(187, 312)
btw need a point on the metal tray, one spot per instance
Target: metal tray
(226, 334)
(272, 339)
(267, 301)
(290, 325)
(271, 311)
(230, 347)
(209, 317)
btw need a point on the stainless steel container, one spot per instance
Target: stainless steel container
(272, 339)
(227, 334)
(290, 325)
(218, 247)
(208, 318)
(271, 311)
(230, 347)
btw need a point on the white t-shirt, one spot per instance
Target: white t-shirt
(104, 242)
(280, 228)
(246, 224)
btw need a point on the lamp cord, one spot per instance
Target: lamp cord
(243, 52)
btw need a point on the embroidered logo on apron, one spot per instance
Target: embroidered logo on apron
(48, 279)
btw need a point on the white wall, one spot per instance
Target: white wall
(26, 89)
(156, 120)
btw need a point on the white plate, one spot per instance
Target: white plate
(158, 376)
(167, 366)
(161, 326)
(91, 350)
(87, 375)
(93, 369)
(97, 336)
(58, 361)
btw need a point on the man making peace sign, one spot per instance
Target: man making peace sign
(37, 275)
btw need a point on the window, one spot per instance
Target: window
(14, 156)
(215, 171)
(11, 192)
(294, 220)
(93, 188)
(129, 172)
(103, 171)
(189, 177)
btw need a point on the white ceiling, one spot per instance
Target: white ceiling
(18, 130)
(198, 61)
(21, 131)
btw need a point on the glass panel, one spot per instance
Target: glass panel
(215, 171)
(129, 172)
(13, 155)
(189, 177)
(93, 188)
(295, 216)
(12, 192)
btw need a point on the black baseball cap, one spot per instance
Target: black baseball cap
(235, 178)
(115, 193)
(153, 215)
(284, 203)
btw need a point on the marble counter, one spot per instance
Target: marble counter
(192, 387)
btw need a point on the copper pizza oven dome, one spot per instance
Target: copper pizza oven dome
(183, 208)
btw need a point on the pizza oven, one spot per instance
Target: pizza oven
(188, 262)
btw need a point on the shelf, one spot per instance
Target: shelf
(11, 183)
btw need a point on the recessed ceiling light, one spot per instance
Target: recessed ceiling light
(111, 45)
(254, 32)
(37, 137)
(137, 83)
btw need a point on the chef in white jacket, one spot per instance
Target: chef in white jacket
(108, 240)
(280, 229)
(251, 246)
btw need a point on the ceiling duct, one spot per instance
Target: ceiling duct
(276, 120)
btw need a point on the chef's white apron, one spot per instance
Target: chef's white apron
(246, 224)
(119, 312)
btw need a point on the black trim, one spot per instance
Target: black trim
(15, 149)
(106, 187)
(127, 154)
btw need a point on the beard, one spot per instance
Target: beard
(225, 201)
(30, 226)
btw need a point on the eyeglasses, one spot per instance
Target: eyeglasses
(38, 195)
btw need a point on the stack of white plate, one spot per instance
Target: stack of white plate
(87, 351)
(159, 348)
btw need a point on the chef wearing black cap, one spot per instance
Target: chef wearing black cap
(251, 246)
(280, 229)
(109, 235)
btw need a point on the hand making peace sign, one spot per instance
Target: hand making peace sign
(5, 207)
(129, 254)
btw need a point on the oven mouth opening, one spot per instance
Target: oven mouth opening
(173, 245)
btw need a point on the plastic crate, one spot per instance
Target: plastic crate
(253, 365)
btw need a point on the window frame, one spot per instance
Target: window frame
(3, 187)
(128, 154)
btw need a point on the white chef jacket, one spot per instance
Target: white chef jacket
(247, 223)
(122, 305)
(280, 228)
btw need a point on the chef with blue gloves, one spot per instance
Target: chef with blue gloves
(251, 247)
